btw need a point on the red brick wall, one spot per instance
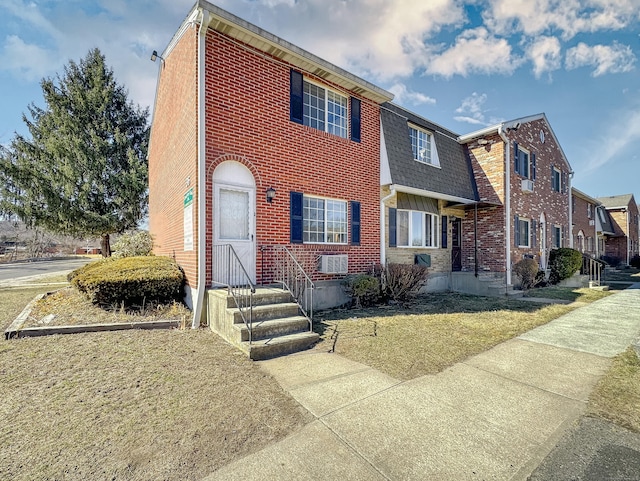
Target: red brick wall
(581, 222)
(173, 153)
(488, 163)
(247, 110)
(617, 246)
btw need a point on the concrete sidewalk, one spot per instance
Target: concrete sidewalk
(495, 416)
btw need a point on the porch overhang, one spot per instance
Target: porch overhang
(434, 195)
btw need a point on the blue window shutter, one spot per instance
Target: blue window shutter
(552, 177)
(443, 227)
(533, 166)
(516, 157)
(355, 223)
(393, 239)
(297, 97)
(563, 182)
(516, 232)
(355, 119)
(295, 212)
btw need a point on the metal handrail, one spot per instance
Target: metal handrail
(593, 268)
(229, 272)
(292, 276)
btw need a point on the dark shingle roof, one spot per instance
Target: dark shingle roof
(605, 220)
(453, 178)
(616, 201)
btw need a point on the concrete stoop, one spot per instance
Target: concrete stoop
(277, 327)
(490, 285)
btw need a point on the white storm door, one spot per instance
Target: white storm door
(234, 224)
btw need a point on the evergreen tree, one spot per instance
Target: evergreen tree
(83, 171)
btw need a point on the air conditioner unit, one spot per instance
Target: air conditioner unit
(592, 222)
(334, 264)
(527, 185)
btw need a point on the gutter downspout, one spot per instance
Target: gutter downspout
(507, 203)
(202, 268)
(628, 235)
(383, 231)
(570, 211)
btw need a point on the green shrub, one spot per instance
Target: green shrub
(526, 270)
(364, 289)
(541, 279)
(86, 268)
(132, 244)
(563, 263)
(401, 282)
(635, 262)
(131, 280)
(613, 261)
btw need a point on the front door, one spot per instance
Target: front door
(234, 224)
(456, 245)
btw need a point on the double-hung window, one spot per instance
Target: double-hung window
(422, 146)
(417, 229)
(555, 179)
(324, 221)
(525, 162)
(324, 109)
(523, 233)
(557, 236)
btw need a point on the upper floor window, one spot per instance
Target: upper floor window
(589, 211)
(555, 179)
(324, 220)
(422, 146)
(417, 229)
(524, 162)
(324, 109)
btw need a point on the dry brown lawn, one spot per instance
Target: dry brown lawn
(617, 395)
(435, 332)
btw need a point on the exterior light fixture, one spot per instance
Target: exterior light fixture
(271, 194)
(154, 56)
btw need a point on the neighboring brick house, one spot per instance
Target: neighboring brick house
(426, 180)
(623, 211)
(255, 143)
(524, 182)
(587, 229)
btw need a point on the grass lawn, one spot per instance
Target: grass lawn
(131, 405)
(437, 331)
(623, 275)
(617, 395)
(568, 293)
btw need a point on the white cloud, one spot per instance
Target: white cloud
(472, 111)
(614, 58)
(475, 51)
(403, 95)
(544, 53)
(569, 17)
(26, 61)
(383, 39)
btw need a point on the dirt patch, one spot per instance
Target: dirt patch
(134, 405)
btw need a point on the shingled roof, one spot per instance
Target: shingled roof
(453, 180)
(616, 201)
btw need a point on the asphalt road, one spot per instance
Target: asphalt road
(34, 268)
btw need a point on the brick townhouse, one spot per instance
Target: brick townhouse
(257, 144)
(523, 180)
(623, 242)
(591, 224)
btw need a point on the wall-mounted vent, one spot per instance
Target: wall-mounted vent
(334, 264)
(527, 185)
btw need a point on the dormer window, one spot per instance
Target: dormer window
(422, 146)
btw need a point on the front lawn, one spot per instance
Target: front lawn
(568, 293)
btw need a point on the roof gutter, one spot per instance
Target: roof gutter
(201, 262)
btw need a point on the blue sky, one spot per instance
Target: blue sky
(461, 64)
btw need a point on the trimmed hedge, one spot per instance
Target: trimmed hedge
(364, 289)
(130, 280)
(563, 263)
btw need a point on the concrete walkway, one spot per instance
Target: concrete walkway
(494, 416)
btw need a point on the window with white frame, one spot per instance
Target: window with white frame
(324, 221)
(524, 165)
(422, 146)
(417, 229)
(555, 180)
(524, 233)
(325, 109)
(557, 236)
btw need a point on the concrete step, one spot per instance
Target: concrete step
(262, 296)
(272, 328)
(266, 312)
(279, 346)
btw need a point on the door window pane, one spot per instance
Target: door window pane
(234, 215)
